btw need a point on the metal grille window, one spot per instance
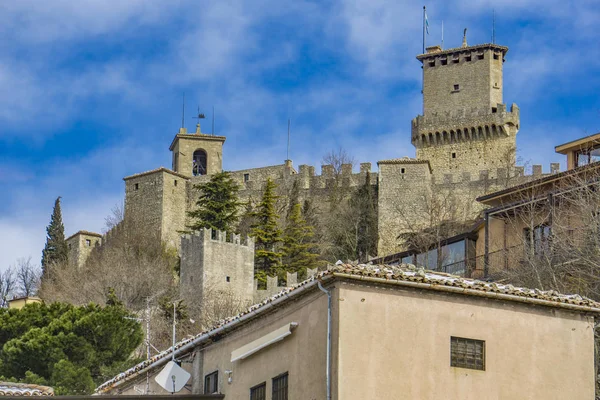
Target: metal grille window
(280, 387)
(467, 353)
(211, 383)
(259, 392)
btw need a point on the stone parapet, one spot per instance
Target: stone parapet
(463, 125)
(274, 286)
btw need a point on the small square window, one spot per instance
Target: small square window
(228, 279)
(468, 58)
(259, 392)
(444, 61)
(432, 63)
(280, 387)
(453, 155)
(467, 353)
(494, 110)
(496, 57)
(480, 56)
(136, 186)
(88, 242)
(211, 383)
(246, 177)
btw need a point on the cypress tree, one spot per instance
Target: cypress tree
(298, 248)
(267, 235)
(364, 202)
(56, 250)
(217, 204)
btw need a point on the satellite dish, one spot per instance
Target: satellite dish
(172, 378)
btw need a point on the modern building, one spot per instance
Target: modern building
(383, 332)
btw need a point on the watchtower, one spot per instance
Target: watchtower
(465, 127)
(196, 154)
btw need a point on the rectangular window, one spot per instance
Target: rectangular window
(246, 177)
(175, 182)
(211, 383)
(467, 353)
(432, 63)
(136, 186)
(444, 61)
(259, 392)
(480, 56)
(456, 87)
(496, 57)
(468, 58)
(88, 242)
(494, 110)
(280, 387)
(453, 155)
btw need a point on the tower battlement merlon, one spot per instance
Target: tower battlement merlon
(434, 52)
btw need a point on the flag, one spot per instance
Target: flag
(426, 23)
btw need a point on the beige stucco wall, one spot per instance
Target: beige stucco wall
(395, 344)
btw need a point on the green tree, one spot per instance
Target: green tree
(267, 235)
(56, 251)
(298, 248)
(217, 205)
(58, 343)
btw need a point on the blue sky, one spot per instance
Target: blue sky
(90, 91)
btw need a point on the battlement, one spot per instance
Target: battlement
(274, 286)
(514, 175)
(218, 236)
(310, 180)
(464, 125)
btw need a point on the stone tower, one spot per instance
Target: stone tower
(465, 127)
(197, 154)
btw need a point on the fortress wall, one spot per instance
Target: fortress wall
(403, 188)
(214, 263)
(144, 200)
(173, 208)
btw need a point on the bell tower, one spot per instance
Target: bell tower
(465, 127)
(196, 154)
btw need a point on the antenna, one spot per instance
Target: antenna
(213, 122)
(183, 111)
(198, 117)
(288, 142)
(493, 26)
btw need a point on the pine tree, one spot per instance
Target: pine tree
(56, 250)
(298, 248)
(217, 205)
(267, 235)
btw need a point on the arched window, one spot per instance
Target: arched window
(199, 163)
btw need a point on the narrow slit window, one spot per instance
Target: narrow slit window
(228, 279)
(402, 170)
(246, 177)
(175, 182)
(453, 155)
(136, 186)
(467, 353)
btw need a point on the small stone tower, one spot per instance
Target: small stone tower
(465, 127)
(197, 154)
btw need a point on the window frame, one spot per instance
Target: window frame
(197, 168)
(466, 360)
(207, 378)
(255, 395)
(282, 392)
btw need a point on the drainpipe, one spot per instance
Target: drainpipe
(328, 370)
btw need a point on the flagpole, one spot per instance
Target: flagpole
(424, 16)
(442, 34)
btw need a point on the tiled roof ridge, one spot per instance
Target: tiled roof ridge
(392, 273)
(24, 389)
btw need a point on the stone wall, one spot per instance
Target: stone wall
(80, 246)
(462, 78)
(214, 263)
(184, 145)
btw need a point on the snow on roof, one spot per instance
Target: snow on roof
(405, 274)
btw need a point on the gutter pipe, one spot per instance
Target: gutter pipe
(328, 367)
